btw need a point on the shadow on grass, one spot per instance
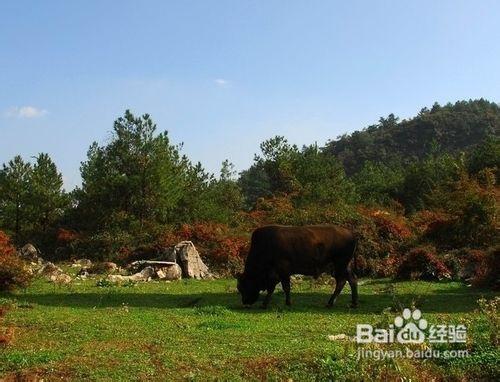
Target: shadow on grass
(460, 299)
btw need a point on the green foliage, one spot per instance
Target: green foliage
(423, 177)
(309, 176)
(140, 178)
(255, 184)
(32, 199)
(209, 199)
(486, 155)
(138, 174)
(454, 127)
(14, 195)
(114, 332)
(429, 180)
(379, 184)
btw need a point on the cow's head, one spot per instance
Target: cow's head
(248, 288)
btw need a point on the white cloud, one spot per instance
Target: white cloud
(25, 112)
(221, 82)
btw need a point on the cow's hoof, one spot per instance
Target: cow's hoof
(329, 306)
(353, 306)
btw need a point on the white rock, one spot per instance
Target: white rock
(190, 261)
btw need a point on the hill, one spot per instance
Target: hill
(449, 129)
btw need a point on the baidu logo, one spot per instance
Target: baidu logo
(411, 328)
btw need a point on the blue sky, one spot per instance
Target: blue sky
(222, 76)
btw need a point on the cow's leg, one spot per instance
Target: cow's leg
(285, 283)
(353, 283)
(340, 280)
(270, 290)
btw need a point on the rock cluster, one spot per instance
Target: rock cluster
(183, 261)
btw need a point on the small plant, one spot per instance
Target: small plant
(490, 310)
(129, 284)
(103, 283)
(211, 310)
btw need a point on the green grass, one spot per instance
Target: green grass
(198, 330)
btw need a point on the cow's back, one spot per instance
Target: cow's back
(305, 250)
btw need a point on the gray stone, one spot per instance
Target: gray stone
(145, 275)
(190, 261)
(30, 253)
(49, 270)
(84, 263)
(60, 279)
(170, 272)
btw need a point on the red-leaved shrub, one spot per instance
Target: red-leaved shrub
(66, 236)
(215, 242)
(422, 264)
(487, 270)
(14, 272)
(389, 225)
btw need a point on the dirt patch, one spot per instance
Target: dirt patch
(155, 356)
(22, 376)
(261, 367)
(6, 333)
(39, 375)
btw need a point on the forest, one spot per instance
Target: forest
(420, 193)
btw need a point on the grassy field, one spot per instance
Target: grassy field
(198, 330)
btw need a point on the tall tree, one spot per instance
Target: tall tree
(47, 197)
(14, 195)
(137, 176)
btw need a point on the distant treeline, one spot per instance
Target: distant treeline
(139, 185)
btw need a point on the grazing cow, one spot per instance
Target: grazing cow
(277, 252)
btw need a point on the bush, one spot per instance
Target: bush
(487, 271)
(381, 236)
(14, 272)
(218, 246)
(471, 213)
(422, 264)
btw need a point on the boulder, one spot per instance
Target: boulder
(30, 253)
(145, 275)
(170, 272)
(105, 267)
(49, 270)
(61, 278)
(190, 261)
(84, 263)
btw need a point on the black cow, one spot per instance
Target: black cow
(277, 252)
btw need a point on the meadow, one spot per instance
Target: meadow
(198, 330)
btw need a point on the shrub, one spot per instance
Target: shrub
(381, 236)
(66, 236)
(422, 264)
(387, 267)
(389, 225)
(431, 224)
(218, 246)
(487, 271)
(103, 246)
(14, 272)
(6, 249)
(472, 211)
